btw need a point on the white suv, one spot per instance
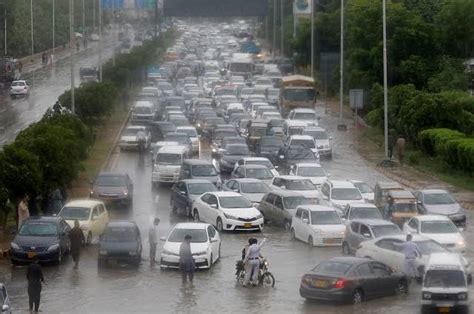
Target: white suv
(304, 114)
(339, 193)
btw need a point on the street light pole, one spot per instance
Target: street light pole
(113, 32)
(341, 66)
(83, 18)
(31, 28)
(94, 3)
(312, 37)
(274, 28)
(100, 41)
(282, 22)
(72, 48)
(5, 31)
(385, 83)
(54, 27)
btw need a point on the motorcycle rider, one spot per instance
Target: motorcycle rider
(141, 139)
(252, 261)
(240, 264)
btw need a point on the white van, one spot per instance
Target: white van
(167, 165)
(293, 127)
(445, 284)
(143, 112)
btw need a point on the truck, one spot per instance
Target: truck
(241, 64)
(297, 91)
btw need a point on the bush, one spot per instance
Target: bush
(375, 118)
(413, 157)
(459, 154)
(430, 140)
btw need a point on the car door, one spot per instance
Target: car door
(325, 192)
(203, 207)
(94, 222)
(279, 212)
(352, 237)
(367, 280)
(387, 253)
(296, 222)
(103, 218)
(303, 226)
(181, 195)
(364, 234)
(384, 283)
(213, 212)
(268, 208)
(213, 241)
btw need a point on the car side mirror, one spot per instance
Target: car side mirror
(162, 238)
(306, 220)
(367, 235)
(213, 240)
(214, 206)
(182, 192)
(281, 157)
(5, 308)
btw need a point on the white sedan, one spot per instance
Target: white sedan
(91, 214)
(385, 250)
(19, 88)
(205, 245)
(438, 228)
(227, 211)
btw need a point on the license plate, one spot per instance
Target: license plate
(31, 254)
(320, 283)
(247, 225)
(444, 310)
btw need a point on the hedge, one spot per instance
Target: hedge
(430, 140)
(459, 154)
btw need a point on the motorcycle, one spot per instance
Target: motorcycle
(265, 278)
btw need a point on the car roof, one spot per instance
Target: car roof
(432, 218)
(224, 193)
(136, 127)
(289, 177)
(374, 222)
(110, 173)
(191, 225)
(317, 208)
(255, 159)
(246, 180)
(172, 149)
(401, 194)
(315, 128)
(296, 123)
(253, 166)
(308, 164)
(121, 223)
(434, 191)
(189, 181)
(43, 219)
(388, 184)
(341, 184)
(301, 137)
(304, 110)
(402, 237)
(444, 259)
(89, 203)
(197, 162)
(362, 205)
(348, 260)
(285, 193)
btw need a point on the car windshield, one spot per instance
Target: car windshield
(110, 181)
(300, 185)
(265, 163)
(385, 230)
(168, 159)
(119, 234)
(189, 132)
(291, 202)
(296, 94)
(299, 154)
(240, 67)
(180, 138)
(38, 229)
(346, 194)
(427, 247)
(365, 213)
(263, 82)
(271, 142)
(18, 84)
(197, 235)
(363, 187)
(318, 135)
(219, 134)
(257, 131)
(438, 227)
(405, 208)
(234, 202)
(233, 140)
(201, 188)
(304, 143)
(239, 150)
(204, 171)
(444, 279)
(295, 130)
(304, 116)
(254, 187)
(325, 218)
(73, 213)
(333, 268)
(259, 173)
(438, 199)
(142, 110)
(311, 172)
(130, 132)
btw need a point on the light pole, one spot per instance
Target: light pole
(282, 35)
(312, 38)
(5, 31)
(274, 28)
(94, 3)
(100, 41)
(341, 70)
(54, 28)
(31, 29)
(83, 18)
(113, 32)
(72, 48)
(385, 83)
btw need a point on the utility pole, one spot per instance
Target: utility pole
(113, 32)
(312, 38)
(5, 31)
(94, 4)
(282, 22)
(341, 70)
(84, 19)
(31, 29)
(274, 28)
(385, 83)
(72, 48)
(100, 41)
(54, 27)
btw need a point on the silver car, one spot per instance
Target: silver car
(360, 230)
(440, 202)
(279, 207)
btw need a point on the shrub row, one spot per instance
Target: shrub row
(430, 140)
(459, 154)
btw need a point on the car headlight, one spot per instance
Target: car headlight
(132, 253)
(103, 252)
(166, 252)
(426, 295)
(230, 216)
(259, 216)
(91, 193)
(53, 247)
(462, 296)
(200, 253)
(14, 246)
(461, 243)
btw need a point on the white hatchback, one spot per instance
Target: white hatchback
(205, 245)
(317, 226)
(91, 214)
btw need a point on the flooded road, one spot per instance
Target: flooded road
(121, 289)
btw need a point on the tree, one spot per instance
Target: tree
(451, 76)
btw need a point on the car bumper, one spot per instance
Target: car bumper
(325, 152)
(125, 200)
(163, 178)
(172, 261)
(328, 241)
(126, 258)
(18, 93)
(125, 145)
(441, 304)
(337, 296)
(23, 256)
(237, 225)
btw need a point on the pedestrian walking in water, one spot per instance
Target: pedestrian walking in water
(76, 236)
(153, 239)
(411, 252)
(23, 212)
(401, 149)
(186, 260)
(34, 275)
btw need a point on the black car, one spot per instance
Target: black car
(290, 155)
(351, 280)
(113, 188)
(268, 147)
(184, 192)
(230, 154)
(121, 241)
(44, 237)
(160, 129)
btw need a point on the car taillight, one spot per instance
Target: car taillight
(340, 284)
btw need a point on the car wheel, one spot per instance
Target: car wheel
(219, 225)
(219, 252)
(188, 212)
(211, 261)
(292, 235)
(60, 256)
(345, 249)
(196, 215)
(89, 238)
(357, 296)
(287, 225)
(310, 242)
(402, 287)
(174, 210)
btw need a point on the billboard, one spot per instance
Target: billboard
(112, 4)
(215, 8)
(302, 8)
